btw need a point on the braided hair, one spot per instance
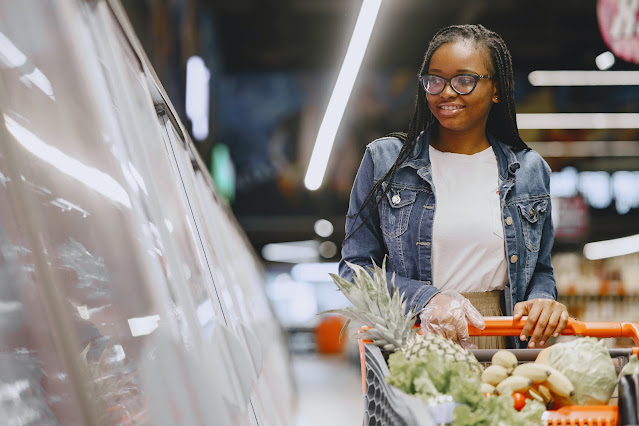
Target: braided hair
(501, 119)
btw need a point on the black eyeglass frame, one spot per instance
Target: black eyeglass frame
(424, 81)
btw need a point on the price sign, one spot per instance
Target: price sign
(619, 25)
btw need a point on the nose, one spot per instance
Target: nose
(448, 91)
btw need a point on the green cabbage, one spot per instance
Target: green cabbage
(588, 365)
(632, 367)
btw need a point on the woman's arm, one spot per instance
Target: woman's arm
(546, 317)
(364, 243)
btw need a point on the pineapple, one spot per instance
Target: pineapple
(449, 351)
(376, 307)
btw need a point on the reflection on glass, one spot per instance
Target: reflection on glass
(93, 178)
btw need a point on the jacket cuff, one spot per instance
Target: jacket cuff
(422, 297)
(540, 296)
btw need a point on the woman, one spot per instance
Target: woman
(459, 203)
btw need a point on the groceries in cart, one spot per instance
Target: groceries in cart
(566, 382)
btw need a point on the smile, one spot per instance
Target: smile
(449, 110)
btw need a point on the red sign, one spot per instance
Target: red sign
(571, 218)
(619, 25)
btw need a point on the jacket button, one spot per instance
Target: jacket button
(396, 199)
(509, 221)
(513, 258)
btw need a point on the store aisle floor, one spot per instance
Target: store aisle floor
(329, 389)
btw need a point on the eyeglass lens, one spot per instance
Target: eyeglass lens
(462, 84)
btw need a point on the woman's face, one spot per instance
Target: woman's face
(462, 113)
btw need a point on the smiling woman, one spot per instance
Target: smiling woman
(459, 203)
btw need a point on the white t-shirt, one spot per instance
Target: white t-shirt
(468, 239)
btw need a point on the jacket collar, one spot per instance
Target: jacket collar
(506, 160)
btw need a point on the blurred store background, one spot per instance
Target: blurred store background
(252, 80)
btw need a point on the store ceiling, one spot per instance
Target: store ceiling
(313, 34)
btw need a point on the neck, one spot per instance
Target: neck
(470, 142)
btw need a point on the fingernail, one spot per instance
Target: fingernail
(531, 344)
(522, 337)
(541, 343)
(556, 335)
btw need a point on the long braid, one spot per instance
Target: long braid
(501, 122)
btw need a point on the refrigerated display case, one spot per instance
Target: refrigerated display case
(129, 294)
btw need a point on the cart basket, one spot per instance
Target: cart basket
(385, 405)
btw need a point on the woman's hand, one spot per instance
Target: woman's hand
(546, 316)
(448, 313)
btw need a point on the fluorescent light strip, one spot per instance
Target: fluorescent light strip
(586, 148)
(198, 79)
(612, 248)
(341, 93)
(584, 78)
(578, 121)
(294, 252)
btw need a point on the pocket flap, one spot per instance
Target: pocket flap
(398, 197)
(531, 210)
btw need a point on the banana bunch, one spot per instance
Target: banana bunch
(535, 380)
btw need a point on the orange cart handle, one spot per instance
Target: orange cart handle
(506, 326)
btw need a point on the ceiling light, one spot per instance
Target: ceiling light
(292, 252)
(328, 249)
(314, 271)
(578, 121)
(586, 148)
(197, 96)
(584, 78)
(341, 93)
(605, 61)
(323, 228)
(612, 248)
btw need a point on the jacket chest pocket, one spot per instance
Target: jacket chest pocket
(396, 207)
(533, 214)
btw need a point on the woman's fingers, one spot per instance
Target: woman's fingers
(534, 310)
(563, 322)
(545, 318)
(540, 324)
(520, 310)
(551, 326)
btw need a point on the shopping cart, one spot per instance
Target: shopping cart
(386, 405)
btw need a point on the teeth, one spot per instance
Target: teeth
(450, 107)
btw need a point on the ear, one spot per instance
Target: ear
(495, 94)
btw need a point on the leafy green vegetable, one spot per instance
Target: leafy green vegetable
(428, 377)
(632, 367)
(404, 374)
(586, 355)
(498, 411)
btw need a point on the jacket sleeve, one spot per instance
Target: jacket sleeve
(542, 284)
(366, 245)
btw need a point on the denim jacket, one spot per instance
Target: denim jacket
(401, 224)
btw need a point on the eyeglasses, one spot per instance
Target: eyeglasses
(463, 84)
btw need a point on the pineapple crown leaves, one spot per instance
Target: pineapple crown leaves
(375, 305)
